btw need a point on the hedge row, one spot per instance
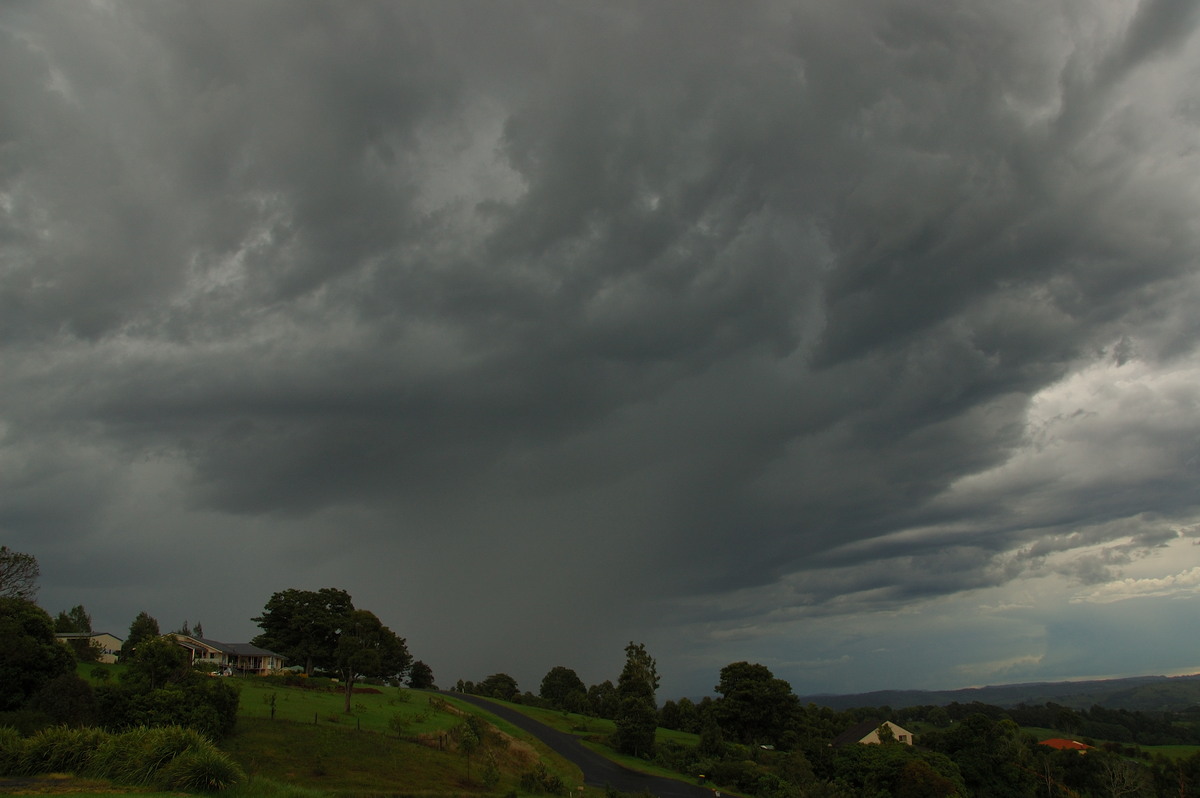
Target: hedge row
(166, 758)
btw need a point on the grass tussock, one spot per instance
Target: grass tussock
(11, 747)
(163, 758)
(59, 749)
(200, 770)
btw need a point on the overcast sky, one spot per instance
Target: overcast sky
(856, 339)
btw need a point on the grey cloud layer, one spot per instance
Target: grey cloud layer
(735, 287)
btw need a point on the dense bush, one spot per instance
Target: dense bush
(676, 756)
(540, 780)
(207, 705)
(66, 700)
(30, 656)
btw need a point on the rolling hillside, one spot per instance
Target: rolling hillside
(1142, 693)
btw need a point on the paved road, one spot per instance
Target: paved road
(597, 771)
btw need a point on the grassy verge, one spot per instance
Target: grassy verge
(594, 733)
(394, 742)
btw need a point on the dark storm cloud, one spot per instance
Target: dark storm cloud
(728, 298)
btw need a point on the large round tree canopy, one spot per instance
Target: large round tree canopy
(30, 656)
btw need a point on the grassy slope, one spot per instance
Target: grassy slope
(313, 744)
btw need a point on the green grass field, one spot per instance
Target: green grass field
(395, 741)
(296, 742)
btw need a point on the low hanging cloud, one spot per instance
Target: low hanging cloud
(615, 321)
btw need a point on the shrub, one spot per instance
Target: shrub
(207, 705)
(118, 757)
(171, 758)
(200, 770)
(135, 757)
(165, 744)
(491, 771)
(67, 700)
(540, 780)
(11, 746)
(59, 750)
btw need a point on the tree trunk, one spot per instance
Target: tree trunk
(349, 692)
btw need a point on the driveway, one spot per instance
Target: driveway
(597, 771)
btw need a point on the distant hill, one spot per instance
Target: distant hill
(1142, 693)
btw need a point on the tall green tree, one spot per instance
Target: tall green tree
(304, 625)
(994, 756)
(77, 621)
(602, 700)
(498, 685)
(754, 707)
(420, 676)
(156, 663)
(30, 656)
(563, 688)
(143, 627)
(18, 574)
(368, 648)
(637, 710)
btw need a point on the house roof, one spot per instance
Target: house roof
(1065, 745)
(247, 650)
(234, 649)
(856, 732)
(76, 635)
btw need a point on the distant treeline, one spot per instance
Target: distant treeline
(1141, 693)
(1097, 723)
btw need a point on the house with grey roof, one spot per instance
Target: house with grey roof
(242, 659)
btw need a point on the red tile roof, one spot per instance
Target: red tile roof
(1065, 745)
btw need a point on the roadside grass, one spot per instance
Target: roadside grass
(594, 733)
(592, 729)
(555, 763)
